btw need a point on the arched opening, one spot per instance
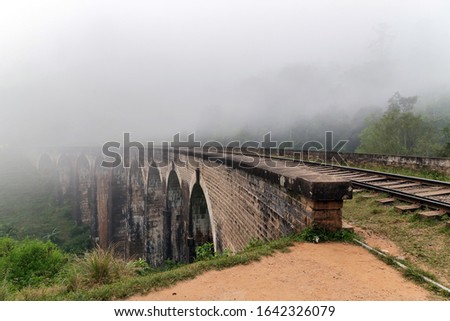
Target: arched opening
(119, 210)
(50, 178)
(102, 191)
(173, 231)
(45, 165)
(65, 180)
(136, 223)
(83, 186)
(155, 218)
(200, 231)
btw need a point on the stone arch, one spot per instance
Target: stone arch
(103, 178)
(173, 227)
(136, 223)
(83, 190)
(65, 179)
(45, 165)
(120, 206)
(200, 227)
(155, 217)
(197, 178)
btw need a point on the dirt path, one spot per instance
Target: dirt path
(328, 271)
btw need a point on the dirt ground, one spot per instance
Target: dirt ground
(327, 271)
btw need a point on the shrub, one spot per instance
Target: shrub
(97, 267)
(316, 235)
(31, 262)
(6, 246)
(204, 251)
(79, 241)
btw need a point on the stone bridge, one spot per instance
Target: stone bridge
(165, 206)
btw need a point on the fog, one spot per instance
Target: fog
(83, 72)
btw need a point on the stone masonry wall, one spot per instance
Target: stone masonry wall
(160, 212)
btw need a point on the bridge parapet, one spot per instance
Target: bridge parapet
(287, 195)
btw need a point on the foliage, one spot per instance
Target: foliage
(29, 262)
(6, 246)
(445, 150)
(204, 251)
(400, 131)
(317, 235)
(79, 241)
(141, 267)
(97, 267)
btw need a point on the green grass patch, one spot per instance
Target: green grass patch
(100, 275)
(424, 243)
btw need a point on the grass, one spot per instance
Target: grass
(98, 263)
(425, 243)
(99, 275)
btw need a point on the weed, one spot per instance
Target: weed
(316, 235)
(205, 252)
(97, 267)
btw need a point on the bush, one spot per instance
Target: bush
(30, 262)
(98, 267)
(316, 235)
(6, 246)
(79, 241)
(204, 252)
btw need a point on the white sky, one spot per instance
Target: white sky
(82, 72)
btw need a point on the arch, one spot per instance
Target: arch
(171, 168)
(83, 190)
(45, 165)
(173, 225)
(155, 217)
(103, 178)
(197, 178)
(137, 229)
(65, 179)
(200, 228)
(119, 210)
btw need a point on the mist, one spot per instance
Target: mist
(84, 72)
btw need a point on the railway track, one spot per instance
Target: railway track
(419, 192)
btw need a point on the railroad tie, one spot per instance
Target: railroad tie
(386, 200)
(432, 214)
(407, 208)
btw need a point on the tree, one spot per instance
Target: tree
(399, 131)
(445, 150)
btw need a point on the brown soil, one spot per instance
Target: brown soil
(328, 271)
(379, 242)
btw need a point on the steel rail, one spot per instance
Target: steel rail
(432, 203)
